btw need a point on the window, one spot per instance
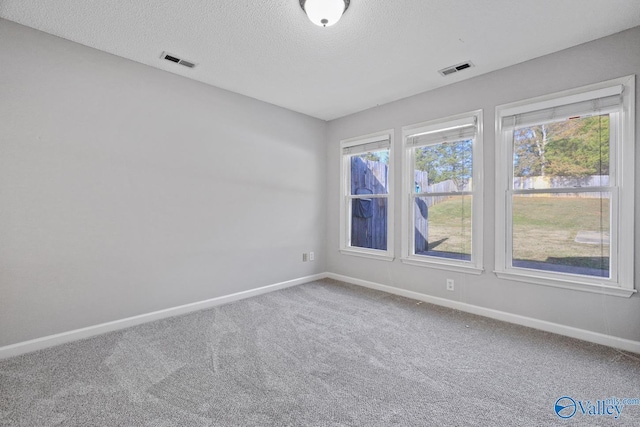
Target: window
(565, 210)
(442, 197)
(366, 197)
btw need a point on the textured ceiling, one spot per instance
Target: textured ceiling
(380, 51)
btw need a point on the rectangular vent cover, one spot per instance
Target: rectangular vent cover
(174, 58)
(455, 68)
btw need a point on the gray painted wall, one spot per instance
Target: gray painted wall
(603, 59)
(126, 189)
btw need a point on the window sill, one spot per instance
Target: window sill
(461, 267)
(368, 254)
(531, 277)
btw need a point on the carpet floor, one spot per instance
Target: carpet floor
(319, 354)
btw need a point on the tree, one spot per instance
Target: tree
(446, 161)
(574, 147)
(580, 147)
(373, 157)
(529, 148)
(425, 160)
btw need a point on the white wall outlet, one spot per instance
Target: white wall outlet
(312, 256)
(305, 257)
(449, 284)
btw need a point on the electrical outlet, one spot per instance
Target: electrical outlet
(450, 284)
(312, 256)
(305, 257)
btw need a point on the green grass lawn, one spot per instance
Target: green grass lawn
(544, 229)
(450, 226)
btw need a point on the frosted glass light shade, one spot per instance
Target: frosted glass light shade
(324, 13)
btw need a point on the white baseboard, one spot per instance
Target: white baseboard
(78, 334)
(569, 331)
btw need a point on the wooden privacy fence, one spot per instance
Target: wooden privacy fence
(369, 215)
(550, 182)
(422, 205)
(421, 182)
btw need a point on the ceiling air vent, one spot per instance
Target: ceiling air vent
(173, 58)
(455, 68)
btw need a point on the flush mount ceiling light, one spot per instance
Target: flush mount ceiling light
(324, 13)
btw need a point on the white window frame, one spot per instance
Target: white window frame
(408, 256)
(345, 197)
(622, 158)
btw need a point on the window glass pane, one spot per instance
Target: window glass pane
(443, 226)
(444, 167)
(567, 233)
(370, 173)
(369, 223)
(565, 154)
